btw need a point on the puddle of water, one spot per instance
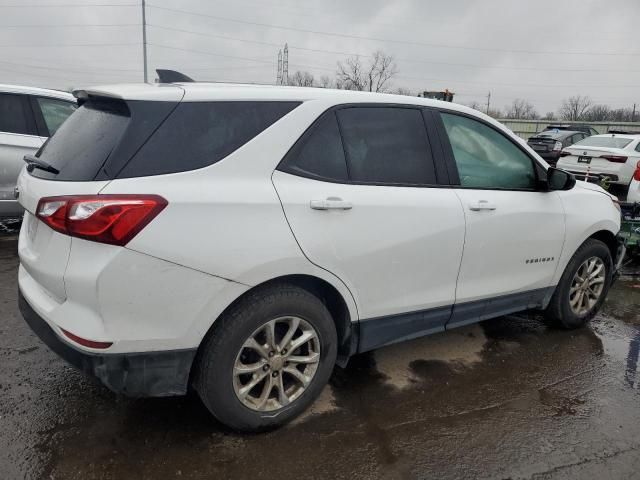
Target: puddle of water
(325, 403)
(463, 345)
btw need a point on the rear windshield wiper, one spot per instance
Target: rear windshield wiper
(35, 162)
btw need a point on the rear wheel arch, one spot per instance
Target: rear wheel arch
(322, 289)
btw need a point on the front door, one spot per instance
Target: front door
(515, 231)
(359, 193)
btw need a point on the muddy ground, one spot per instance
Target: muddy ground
(508, 398)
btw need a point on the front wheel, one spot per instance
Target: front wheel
(583, 286)
(267, 358)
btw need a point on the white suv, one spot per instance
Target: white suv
(243, 239)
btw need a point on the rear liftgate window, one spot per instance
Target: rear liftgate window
(198, 134)
(84, 141)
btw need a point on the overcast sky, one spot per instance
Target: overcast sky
(542, 50)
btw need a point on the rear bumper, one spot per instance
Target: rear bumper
(147, 374)
(595, 177)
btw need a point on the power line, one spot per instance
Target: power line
(74, 25)
(423, 79)
(212, 54)
(410, 60)
(45, 67)
(67, 5)
(62, 45)
(389, 40)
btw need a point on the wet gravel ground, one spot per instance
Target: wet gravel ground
(508, 398)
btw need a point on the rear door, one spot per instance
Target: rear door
(18, 136)
(360, 191)
(514, 231)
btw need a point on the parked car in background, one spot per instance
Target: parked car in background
(28, 116)
(614, 156)
(549, 143)
(243, 239)
(573, 127)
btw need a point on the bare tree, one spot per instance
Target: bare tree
(493, 112)
(325, 82)
(598, 113)
(374, 77)
(549, 116)
(575, 108)
(521, 109)
(404, 91)
(477, 106)
(301, 79)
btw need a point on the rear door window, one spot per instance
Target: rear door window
(14, 115)
(319, 153)
(198, 134)
(386, 145)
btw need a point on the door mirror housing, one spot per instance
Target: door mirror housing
(558, 179)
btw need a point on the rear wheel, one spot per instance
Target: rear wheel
(267, 358)
(583, 286)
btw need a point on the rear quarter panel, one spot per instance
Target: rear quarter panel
(226, 220)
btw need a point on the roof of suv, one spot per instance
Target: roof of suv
(41, 92)
(202, 91)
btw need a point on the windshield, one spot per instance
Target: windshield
(607, 142)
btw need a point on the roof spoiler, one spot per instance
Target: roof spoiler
(172, 76)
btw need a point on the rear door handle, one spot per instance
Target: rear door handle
(482, 205)
(330, 203)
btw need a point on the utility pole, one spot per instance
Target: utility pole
(144, 41)
(279, 74)
(488, 102)
(633, 114)
(285, 66)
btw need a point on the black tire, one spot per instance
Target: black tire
(559, 312)
(214, 379)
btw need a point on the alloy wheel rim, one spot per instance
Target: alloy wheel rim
(276, 364)
(587, 285)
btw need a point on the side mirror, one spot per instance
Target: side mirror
(558, 179)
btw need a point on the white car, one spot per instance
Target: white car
(611, 155)
(28, 116)
(243, 239)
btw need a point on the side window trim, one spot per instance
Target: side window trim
(435, 144)
(447, 150)
(451, 163)
(41, 125)
(309, 131)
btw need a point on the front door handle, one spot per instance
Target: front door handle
(482, 205)
(330, 203)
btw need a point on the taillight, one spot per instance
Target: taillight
(557, 146)
(614, 158)
(565, 154)
(636, 174)
(112, 219)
